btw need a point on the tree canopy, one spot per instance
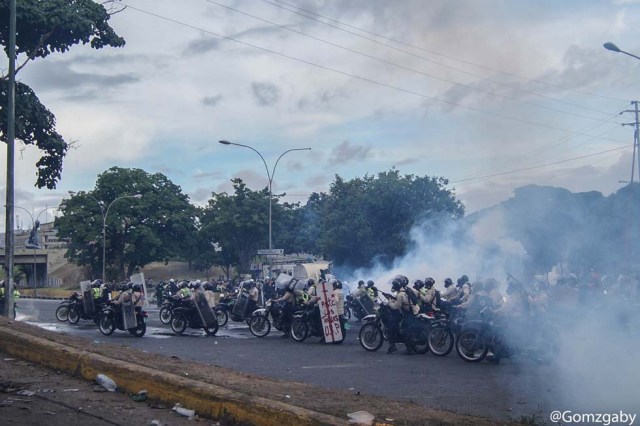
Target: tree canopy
(159, 226)
(44, 27)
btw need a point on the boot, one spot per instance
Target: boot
(392, 348)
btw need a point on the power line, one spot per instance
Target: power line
(406, 68)
(361, 78)
(403, 43)
(539, 166)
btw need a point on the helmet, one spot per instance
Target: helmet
(396, 284)
(336, 284)
(310, 282)
(130, 285)
(418, 284)
(124, 287)
(360, 283)
(172, 280)
(448, 282)
(137, 287)
(370, 283)
(95, 284)
(464, 279)
(429, 282)
(403, 280)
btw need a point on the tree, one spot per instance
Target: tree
(157, 227)
(238, 223)
(44, 27)
(366, 220)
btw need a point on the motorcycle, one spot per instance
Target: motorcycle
(374, 332)
(195, 314)
(62, 312)
(126, 319)
(540, 342)
(307, 323)
(444, 327)
(169, 304)
(261, 319)
(83, 309)
(234, 307)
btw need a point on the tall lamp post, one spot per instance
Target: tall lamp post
(104, 214)
(636, 111)
(270, 177)
(33, 225)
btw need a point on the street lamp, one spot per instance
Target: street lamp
(269, 176)
(33, 226)
(610, 46)
(104, 214)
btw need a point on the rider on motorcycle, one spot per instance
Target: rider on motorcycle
(450, 290)
(401, 311)
(428, 295)
(289, 298)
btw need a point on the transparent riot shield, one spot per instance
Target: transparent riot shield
(207, 316)
(283, 280)
(366, 303)
(128, 313)
(237, 313)
(87, 298)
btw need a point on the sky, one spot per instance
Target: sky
(490, 94)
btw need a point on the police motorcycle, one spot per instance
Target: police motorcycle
(358, 307)
(375, 330)
(274, 313)
(123, 316)
(538, 340)
(236, 306)
(84, 305)
(62, 312)
(445, 326)
(309, 321)
(195, 313)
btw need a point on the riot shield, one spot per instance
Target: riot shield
(329, 314)
(366, 303)
(87, 298)
(283, 280)
(128, 313)
(238, 308)
(207, 316)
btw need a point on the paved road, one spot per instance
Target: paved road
(509, 390)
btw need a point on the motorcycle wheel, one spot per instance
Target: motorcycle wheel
(222, 315)
(441, 341)
(140, 330)
(471, 346)
(347, 313)
(73, 315)
(106, 325)
(165, 315)
(299, 329)
(260, 325)
(370, 336)
(211, 331)
(62, 313)
(178, 323)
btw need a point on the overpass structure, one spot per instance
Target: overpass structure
(35, 260)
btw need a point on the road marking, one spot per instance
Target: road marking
(333, 366)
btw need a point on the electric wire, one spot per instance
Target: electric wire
(358, 77)
(403, 43)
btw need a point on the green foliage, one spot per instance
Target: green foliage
(157, 227)
(35, 125)
(368, 219)
(44, 27)
(238, 223)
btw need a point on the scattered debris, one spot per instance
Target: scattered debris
(25, 393)
(106, 383)
(70, 390)
(140, 396)
(191, 414)
(155, 423)
(361, 418)
(9, 359)
(45, 391)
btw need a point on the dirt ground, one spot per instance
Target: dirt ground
(33, 395)
(336, 403)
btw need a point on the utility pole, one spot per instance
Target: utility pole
(636, 146)
(11, 134)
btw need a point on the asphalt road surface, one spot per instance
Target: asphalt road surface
(512, 389)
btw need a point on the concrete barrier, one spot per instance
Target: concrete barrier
(206, 399)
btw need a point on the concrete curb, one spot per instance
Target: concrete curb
(206, 399)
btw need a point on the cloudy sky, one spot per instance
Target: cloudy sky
(491, 94)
